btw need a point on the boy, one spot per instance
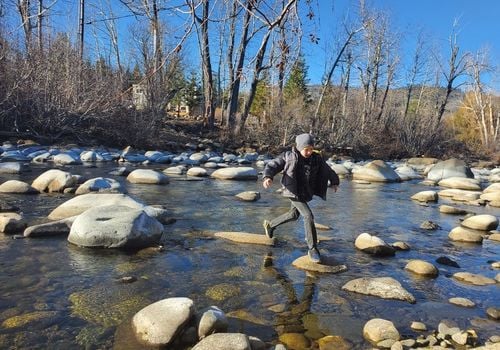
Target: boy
(305, 174)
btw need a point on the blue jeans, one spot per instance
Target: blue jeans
(299, 208)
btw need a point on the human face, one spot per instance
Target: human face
(306, 152)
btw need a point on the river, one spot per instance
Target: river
(67, 297)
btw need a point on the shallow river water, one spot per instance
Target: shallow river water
(58, 296)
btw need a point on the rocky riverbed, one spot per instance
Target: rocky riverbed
(98, 243)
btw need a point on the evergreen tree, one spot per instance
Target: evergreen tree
(191, 93)
(260, 103)
(296, 85)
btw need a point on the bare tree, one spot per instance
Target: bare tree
(479, 101)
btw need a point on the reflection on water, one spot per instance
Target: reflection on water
(63, 296)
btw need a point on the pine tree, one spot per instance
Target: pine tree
(296, 85)
(260, 103)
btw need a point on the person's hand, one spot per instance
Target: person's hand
(334, 187)
(267, 182)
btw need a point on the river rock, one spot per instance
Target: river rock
(462, 302)
(224, 341)
(213, 320)
(494, 237)
(483, 222)
(79, 204)
(147, 176)
(421, 267)
(474, 279)
(334, 342)
(66, 159)
(159, 323)
(383, 287)
(449, 168)
(493, 197)
(12, 223)
(242, 173)
(444, 260)
(60, 227)
(406, 173)
(197, 171)
(461, 183)
(376, 171)
(373, 245)
(245, 237)
(297, 341)
(199, 157)
(494, 187)
(425, 196)
(115, 227)
(175, 170)
(54, 180)
(493, 312)
(12, 168)
(91, 156)
(448, 209)
(249, 196)
(399, 245)
(101, 185)
(463, 234)
(460, 195)
(340, 169)
(418, 326)
(16, 186)
(377, 330)
(429, 225)
(327, 265)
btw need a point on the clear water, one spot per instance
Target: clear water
(76, 300)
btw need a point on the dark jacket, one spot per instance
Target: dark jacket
(288, 163)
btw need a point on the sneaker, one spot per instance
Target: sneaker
(314, 255)
(267, 229)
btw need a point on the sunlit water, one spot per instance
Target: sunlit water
(82, 304)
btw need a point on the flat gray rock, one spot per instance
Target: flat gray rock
(328, 265)
(383, 287)
(245, 237)
(242, 173)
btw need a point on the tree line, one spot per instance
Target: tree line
(252, 78)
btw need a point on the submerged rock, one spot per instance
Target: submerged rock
(245, 237)
(224, 341)
(474, 279)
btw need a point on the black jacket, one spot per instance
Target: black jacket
(288, 161)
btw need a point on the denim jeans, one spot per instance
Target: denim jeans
(299, 208)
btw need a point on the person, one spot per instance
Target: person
(305, 174)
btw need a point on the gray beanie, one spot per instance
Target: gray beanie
(304, 140)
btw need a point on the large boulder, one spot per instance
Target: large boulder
(79, 204)
(159, 323)
(16, 186)
(54, 180)
(147, 176)
(383, 287)
(484, 222)
(241, 173)
(449, 168)
(373, 245)
(91, 156)
(224, 341)
(376, 171)
(101, 185)
(340, 169)
(115, 227)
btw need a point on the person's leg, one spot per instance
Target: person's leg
(310, 229)
(291, 215)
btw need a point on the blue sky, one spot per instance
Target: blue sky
(479, 25)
